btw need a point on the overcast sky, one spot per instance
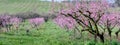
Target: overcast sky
(111, 1)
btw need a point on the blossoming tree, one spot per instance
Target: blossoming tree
(91, 17)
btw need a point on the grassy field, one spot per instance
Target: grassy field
(16, 6)
(48, 34)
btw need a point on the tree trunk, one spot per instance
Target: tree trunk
(95, 38)
(101, 36)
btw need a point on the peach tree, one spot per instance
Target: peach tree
(93, 17)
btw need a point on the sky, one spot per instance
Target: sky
(110, 1)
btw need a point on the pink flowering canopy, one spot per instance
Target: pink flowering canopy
(112, 18)
(36, 21)
(5, 19)
(65, 22)
(92, 9)
(15, 20)
(89, 15)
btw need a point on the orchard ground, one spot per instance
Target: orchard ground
(47, 34)
(16, 6)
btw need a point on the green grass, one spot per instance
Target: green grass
(16, 6)
(48, 34)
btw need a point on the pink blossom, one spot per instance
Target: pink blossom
(65, 22)
(112, 18)
(5, 19)
(15, 21)
(36, 21)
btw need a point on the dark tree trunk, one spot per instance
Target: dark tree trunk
(109, 33)
(101, 36)
(95, 38)
(117, 33)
